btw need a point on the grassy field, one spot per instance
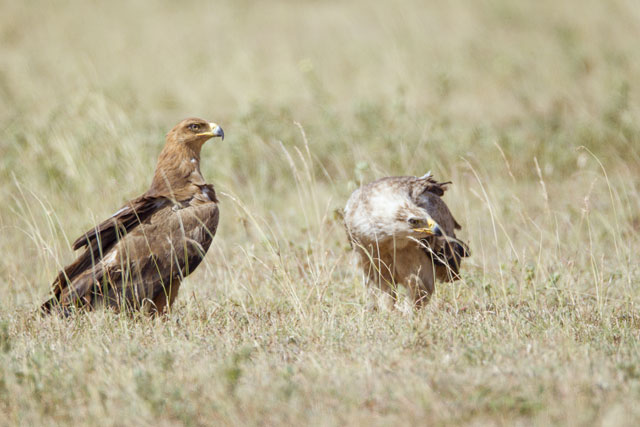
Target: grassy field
(532, 109)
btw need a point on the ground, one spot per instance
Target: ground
(530, 108)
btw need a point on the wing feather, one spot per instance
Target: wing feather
(100, 240)
(145, 264)
(126, 218)
(447, 251)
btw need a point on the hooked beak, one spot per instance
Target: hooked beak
(214, 131)
(432, 229)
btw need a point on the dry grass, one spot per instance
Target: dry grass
(531, 108)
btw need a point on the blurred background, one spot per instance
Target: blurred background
(530, 108)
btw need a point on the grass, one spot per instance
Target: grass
(530, 108)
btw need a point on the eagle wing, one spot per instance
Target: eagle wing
(144, 266)
(446, 251)
(126, 218)
(100, 239)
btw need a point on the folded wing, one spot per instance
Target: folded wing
(137, 257)
(444, 252)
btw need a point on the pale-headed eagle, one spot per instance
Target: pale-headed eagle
(405, 235)
(136, 259)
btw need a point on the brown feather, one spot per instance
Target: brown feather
(179, 208)
(126, 218)
(385, 222)
(147, 265)
(427, 183)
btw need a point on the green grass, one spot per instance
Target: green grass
(530, 108)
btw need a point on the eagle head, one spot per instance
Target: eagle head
(387, 215)
(194, 132)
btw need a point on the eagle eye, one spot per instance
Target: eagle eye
(414, 222)
(194, 127)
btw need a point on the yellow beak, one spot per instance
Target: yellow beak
(214, 131)
(432, 229)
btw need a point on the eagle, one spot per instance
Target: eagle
(137, 258)
(404, 234)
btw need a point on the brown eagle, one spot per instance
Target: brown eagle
(136, 259)
(405, 235)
